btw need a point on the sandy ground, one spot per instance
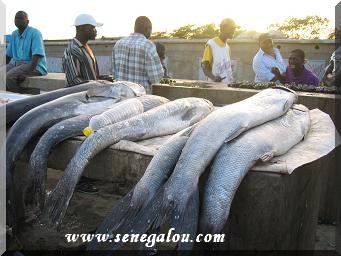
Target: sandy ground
(87, 211)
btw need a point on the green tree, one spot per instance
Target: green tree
(205, 31)
(159, 35)
(185, 32)
(310, 27)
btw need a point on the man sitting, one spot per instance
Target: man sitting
(25, 54)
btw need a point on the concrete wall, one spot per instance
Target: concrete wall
(184, 56)
(271, 211)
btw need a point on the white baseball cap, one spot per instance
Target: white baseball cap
(83, 19)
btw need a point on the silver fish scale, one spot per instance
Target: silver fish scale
(235, 158)
(118, 112)
(159, 169)
(151, 101)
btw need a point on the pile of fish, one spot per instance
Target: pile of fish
(168, 191)
(231, 138)
(37, 113)
(261, 86)
(292, 86)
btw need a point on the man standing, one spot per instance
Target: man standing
(268, 62)
(25, 54)
(216, 61)
(79, 62)
(135, 58)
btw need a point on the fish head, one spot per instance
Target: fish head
(129, 88)
(198, 109)
(103, 90)
(115, 90)
(282, 94)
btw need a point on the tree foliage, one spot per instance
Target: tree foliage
(310, 27)
(159, 35)
(205, 31)
(185, 32)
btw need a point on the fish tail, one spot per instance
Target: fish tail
(123, 212)
(185, 221)
(56, 205)
(182, 215)
(11, 216)
(35, 187)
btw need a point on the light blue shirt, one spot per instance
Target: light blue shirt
(262, 64)
(23, 47)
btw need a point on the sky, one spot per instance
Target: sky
(55, 18)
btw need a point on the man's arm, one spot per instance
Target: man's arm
(70, 64)
(34, 62)
(8, 59)
(278, 75)
(262, 72)
(206, 67)
(153, 65)
(9, 53)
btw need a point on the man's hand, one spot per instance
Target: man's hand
(278, 75)
(275, 71)
(106, 77)
(218, 78)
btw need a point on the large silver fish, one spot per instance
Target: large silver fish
(15, 109)
(124, 110)
(177, 202)
(163, 120)
(156, 174)
(27, 126)
(236, 157)
(72, 127)
(37, 168)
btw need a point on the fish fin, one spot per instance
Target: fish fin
(188, 115)
(121, 213)
(267, 156)
(186, 222)
(234, 135)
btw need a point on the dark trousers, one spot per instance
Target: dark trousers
(15, 74)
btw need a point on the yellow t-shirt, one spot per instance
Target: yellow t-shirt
(208, 56)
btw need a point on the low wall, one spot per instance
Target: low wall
(184, 56)
(270, 211)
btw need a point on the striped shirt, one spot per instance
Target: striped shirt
(135, 59)
(79, 63)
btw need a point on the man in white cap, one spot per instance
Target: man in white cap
(79, 61)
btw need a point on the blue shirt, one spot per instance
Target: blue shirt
(23, 47)
(262, 64)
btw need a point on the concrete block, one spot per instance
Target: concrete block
(52, 81)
